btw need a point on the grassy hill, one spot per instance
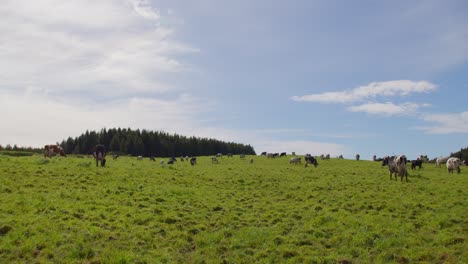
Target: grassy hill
(68, 211)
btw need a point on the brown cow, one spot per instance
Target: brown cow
(53, 150)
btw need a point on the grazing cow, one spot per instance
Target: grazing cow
(295, 160)
(310, 159)
(416, 163)
(358, 157)
(263, 153)
(453, 164)
(193, 161)
(229, 155)
(53, 150)
(283, 154)
(251, 160)
(340, 157)
(219, 155)
(100, 155)
(170, 161)
(214, 160)
(115, 156)
(270, 155)
(242, 156)
(140, 158)
(441, 160)
(152, 158)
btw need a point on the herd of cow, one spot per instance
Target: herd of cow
(396, 164)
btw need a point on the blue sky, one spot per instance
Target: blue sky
(338, 77)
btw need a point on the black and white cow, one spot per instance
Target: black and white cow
(193, 161)
(309, 159)
(283, 154)
(99, 154)
(396, 165)
(358, 157)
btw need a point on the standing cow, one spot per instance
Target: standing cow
(358, 157)
(99, 154)
(397, 166)
(453, 164)
(53, 150)
(416, 163)
(441, 160)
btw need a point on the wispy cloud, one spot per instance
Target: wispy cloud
(388, 109)
(454, 123)
(370, 91)
(144, 9)
(108, 47)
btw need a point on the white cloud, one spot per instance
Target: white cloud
(115, 47)
(455, 123)
(372, 90)
(388, 108)
(144, 9)
(40, 119)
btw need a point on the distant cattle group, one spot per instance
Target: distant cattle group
(397, 165)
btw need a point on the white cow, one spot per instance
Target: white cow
(295, 160)
(441, 160)
(400, 163)
(453, 164)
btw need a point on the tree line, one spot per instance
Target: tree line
(462, 154)
(150, 143)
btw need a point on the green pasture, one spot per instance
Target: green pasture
(67, 210)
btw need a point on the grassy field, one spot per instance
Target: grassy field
(68, 211)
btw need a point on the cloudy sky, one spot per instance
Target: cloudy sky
(338, 77)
